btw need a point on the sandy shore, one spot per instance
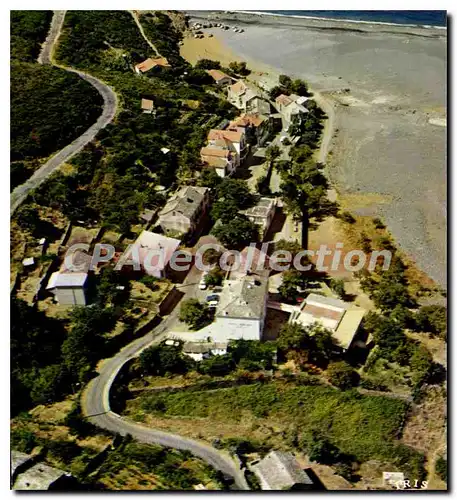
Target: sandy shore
(390, 140)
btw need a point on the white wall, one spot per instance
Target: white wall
(70, 296)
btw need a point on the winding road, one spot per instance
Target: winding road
(96, 405)
(21, 192)
(95, 399)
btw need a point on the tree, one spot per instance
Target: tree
(421, 363)
(207, 64)
(389, 294)
(236, 190)
(342, 375)
(239, 68)
(293, 336)
(432, 319)
(194, 313)
(209, 178)
(337, 285)
(113, 287)
(441, 468)
(323, 346)
(225, 210)
(387, 334)
(236, 233)
(27, 217)
(292, 282)
(285, 81)
(216, 366)
(162, 358)
(277, 91)
(299, 87)
(304, 191)
(214, 277)
(320, 449)
(272, 152)
(252, 354)
(291, 246)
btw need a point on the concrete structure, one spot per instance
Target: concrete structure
(184, 210)
(291, 108)
(203, 350)
(29, 475)
(148, 64)
(257, 127)
(240, 94)
(281, 471)
(242, 309)
(234, 140)
(219, 77)
(341, 318)
(152, 253)
(262, 214)
(147, 105)
(221, 159)
(68, 288)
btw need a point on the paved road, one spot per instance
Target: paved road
(109, 111)
(96, 405)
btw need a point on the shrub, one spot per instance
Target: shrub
(342, 375)
(347, 217)
(441, 468)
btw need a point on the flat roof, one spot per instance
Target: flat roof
(326, 301)
(66, 280)
(348, 327)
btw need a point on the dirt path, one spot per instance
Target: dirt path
(143, 34)
(110, 103)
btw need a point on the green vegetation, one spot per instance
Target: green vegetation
(114, 179)
(360, 426)
(311, 344)
(47, 362)
(304, 189)
(236, 233)
(163, 468)
(28, 31)
(239, 68)
(432, 319)
(195, 313)
(342, 375)
(293, 282)
(162, 359)
(49, 108)
(441, 468)
(214, 277)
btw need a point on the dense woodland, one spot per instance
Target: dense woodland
(116, 176)
(28, 31)
(50, 107)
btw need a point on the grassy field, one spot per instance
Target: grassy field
(363, 426)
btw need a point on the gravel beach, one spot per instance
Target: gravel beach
(388, 86)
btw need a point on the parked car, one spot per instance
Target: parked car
(212, 300)
(202, 285)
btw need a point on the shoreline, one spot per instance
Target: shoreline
(386, 145)
(333, 19)
(258, 18)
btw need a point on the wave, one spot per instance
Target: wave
(357, 21)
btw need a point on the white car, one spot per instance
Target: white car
(202, 285)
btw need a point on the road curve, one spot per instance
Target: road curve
(109, 111)
(96, 407)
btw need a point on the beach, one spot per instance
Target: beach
(387, 86)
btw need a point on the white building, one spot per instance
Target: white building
(291, 107)
(204, 350)
(153, 252)
(68, 288)
(341, 318)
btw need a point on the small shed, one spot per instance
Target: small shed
(68, 288)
